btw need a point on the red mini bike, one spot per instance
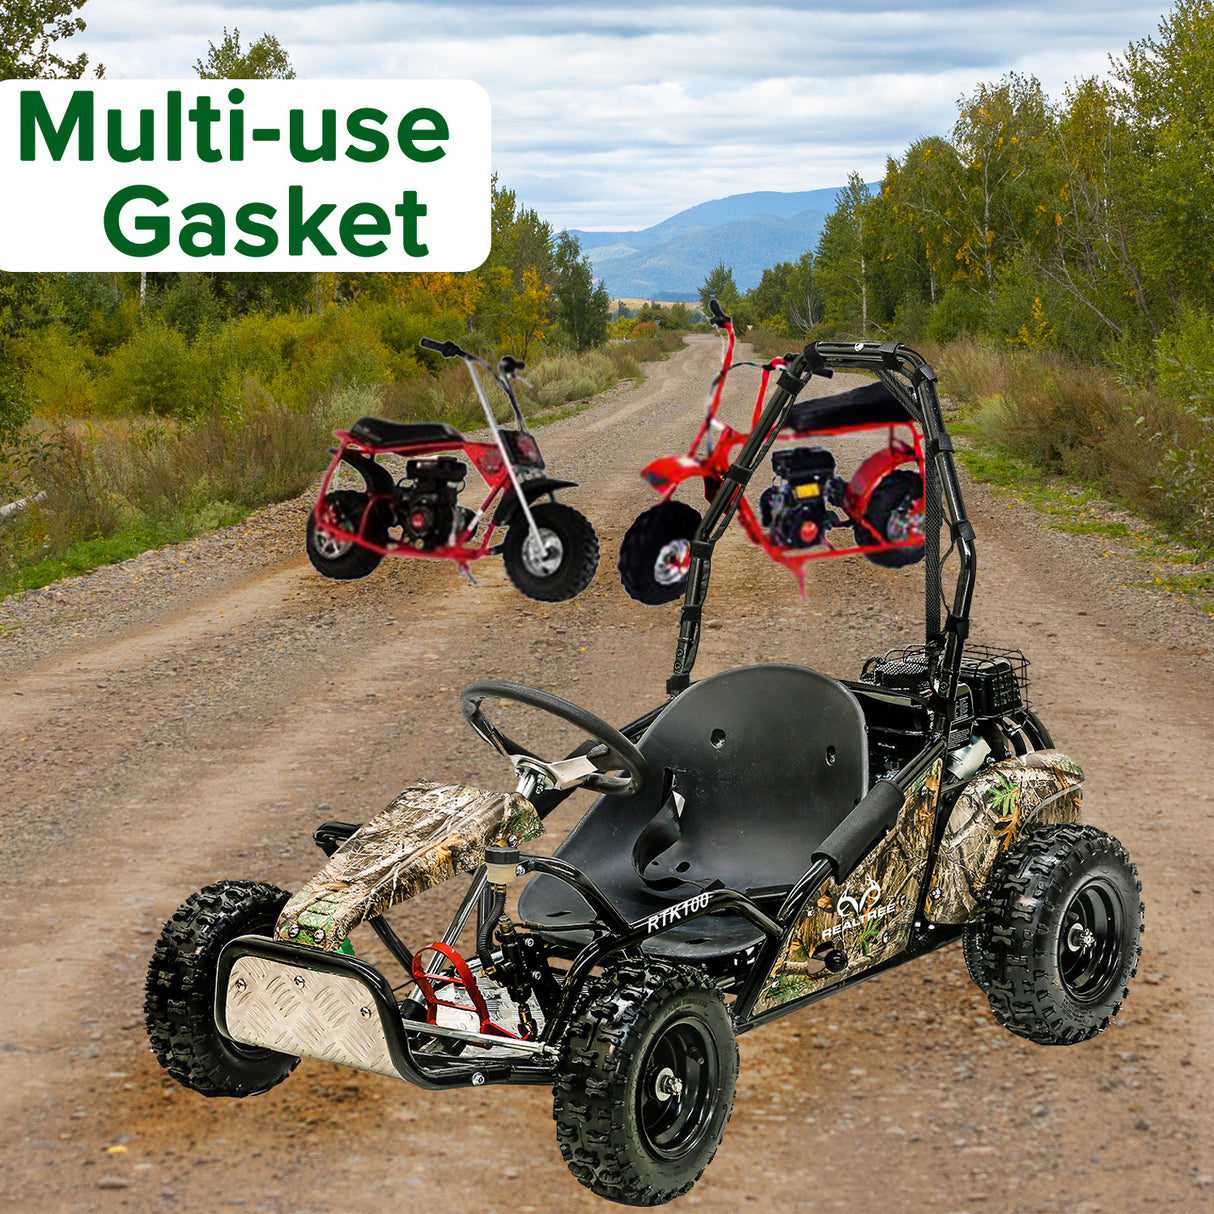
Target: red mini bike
(550, 551)
(882, 503)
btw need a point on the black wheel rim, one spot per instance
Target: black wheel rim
(677, 1090)
(1090, 942)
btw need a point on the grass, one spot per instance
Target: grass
(117, 487)
(1078, 508)
(85, 555)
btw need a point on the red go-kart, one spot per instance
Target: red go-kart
(882, 503)
(550, 550)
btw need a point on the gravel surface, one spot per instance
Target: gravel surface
(193, 713)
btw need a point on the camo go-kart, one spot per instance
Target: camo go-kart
(763, 838)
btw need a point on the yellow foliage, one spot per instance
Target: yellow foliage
(1037, 335)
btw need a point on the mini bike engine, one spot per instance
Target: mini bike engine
(796, 510)
(427, 508)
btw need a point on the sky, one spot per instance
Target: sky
(617, 116)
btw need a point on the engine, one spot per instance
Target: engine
(796, 510)
(426, 501)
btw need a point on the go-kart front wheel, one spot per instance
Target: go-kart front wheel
(564, 561)
(655, 552)
(893, 515)
(344, 559)
(1056, 941)
(647, 1083)
(180, 993)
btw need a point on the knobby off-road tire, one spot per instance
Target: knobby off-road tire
(971, 949)
(646, 1084)
(344, 559)
(566, 567)
(892, 499)
(180, 993)
(1057, 934)
(657, 541)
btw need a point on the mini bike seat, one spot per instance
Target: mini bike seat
(378, 432)
(870, 404)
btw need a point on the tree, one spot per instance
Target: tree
(843, 256)
(921, 235)
(28, 30)
(1167, 99)
(1088, 250)
(1004, 178)
(516, 293)
(787, 297)
(679, 318)
(264, 60)
(582, 305)
(719, 285)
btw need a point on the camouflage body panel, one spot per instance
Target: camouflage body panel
(426, 836)
(1040, 788)
(869, 916)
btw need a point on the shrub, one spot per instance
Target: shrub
(59, 379)
(1184, 362)
(957, 315)
(157, 372)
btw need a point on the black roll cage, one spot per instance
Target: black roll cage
(913, 382)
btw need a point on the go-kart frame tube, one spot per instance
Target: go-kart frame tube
(858, 833)
(837, 856)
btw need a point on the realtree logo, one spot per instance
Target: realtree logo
(264, 175)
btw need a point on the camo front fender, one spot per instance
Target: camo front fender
(426, 836)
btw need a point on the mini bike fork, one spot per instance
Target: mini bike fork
(501, 446)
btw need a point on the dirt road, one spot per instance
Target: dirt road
(194, 714)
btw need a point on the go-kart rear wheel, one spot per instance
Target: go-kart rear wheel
(562, 564)
(344, 559)
(891, 517)
(654, 553)
(1058, 934)
(180, 992)
(646, 1085)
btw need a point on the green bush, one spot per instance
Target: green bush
(957, 315)
(1137, 446)
(1184, 361)
(157, 371)
(59, 374)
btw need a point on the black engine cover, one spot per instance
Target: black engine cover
(426, 503)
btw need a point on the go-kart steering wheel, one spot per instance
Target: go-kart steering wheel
(614, 750)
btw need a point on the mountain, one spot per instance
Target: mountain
(748, 232)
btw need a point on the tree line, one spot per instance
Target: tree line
(67, 341)
(1083, 224)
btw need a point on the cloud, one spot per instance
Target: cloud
(619, 116)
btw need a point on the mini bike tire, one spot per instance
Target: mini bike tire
(179, 1005)
(889, 494)
(620, 1139)
(580, 559)
(1054, 887)
(356, 561)
(643, 543)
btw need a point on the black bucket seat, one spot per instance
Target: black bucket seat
(751, 770)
